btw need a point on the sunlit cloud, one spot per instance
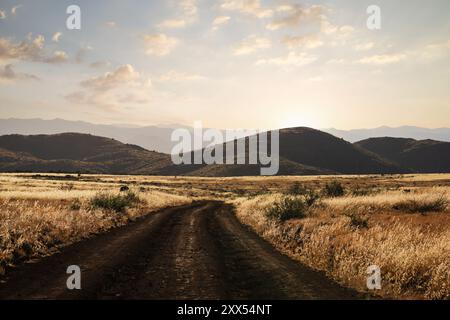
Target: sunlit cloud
(111, 24)
(112, 89)
(29, 50)
(219, 21)
(364, 46)
(251, 44)
(309, 42)
(159, 44)
(384, 59)
(175, 76)
(247, 7)
(15, 8)
(56, 36)
(294, 15)
(187, 14)
(292, 59)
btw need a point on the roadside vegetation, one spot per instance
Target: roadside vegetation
(407, 234)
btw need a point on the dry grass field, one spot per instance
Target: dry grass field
(400, 223)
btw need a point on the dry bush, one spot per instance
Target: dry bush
(342, 238)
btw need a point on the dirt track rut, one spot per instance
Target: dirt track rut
(198, 251)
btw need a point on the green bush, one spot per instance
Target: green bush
(334, 189)
(287, 208)
(117, 203)
(311, 197)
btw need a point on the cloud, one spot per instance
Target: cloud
(7, 73)
(251, 44)
(29, 50)
(15, 8)
(111, 24)
(294, 15)
(175, 76)
(292, 59)
(2, 14)
(364, 46)
(99, 64)
(113, 89)
(187, 14)
(383, 59)
(58, 57)
(81, 54)
(309, 42)
(219, 21)
(57, 36)
(248, 7)
(159, 44)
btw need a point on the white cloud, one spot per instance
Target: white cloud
(159, 44)
(187, 14)
(295, 14)
(364, 46)
(251, 44)
(2, 14)
(248, 7)
(292, 59)
(122, 87)
(309, 42)
(383, 59)
(57, 36)
(8, 74)
(15, 8)
(175, 76)
(219, 21)
(58, 57)
(28, 50)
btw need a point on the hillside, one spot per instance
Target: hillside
(74, 152)
(424, 156)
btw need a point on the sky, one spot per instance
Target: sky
(228, 63)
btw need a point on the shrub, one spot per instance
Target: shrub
(422, 206)
(358, 222)
(334, 189)
(75, 205)
(117, 203)
(297, 189)
(287, 208)
(311, 197)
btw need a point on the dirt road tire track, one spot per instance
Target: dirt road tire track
(198, 251)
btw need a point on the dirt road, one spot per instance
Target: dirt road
(199, 251)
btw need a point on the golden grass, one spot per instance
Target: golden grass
(37, 218)
(412, 250)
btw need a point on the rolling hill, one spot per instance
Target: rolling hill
(303, 151)
(424, 156)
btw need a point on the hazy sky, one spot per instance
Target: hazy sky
(228, 63)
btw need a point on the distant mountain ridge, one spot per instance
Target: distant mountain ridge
(424, 156)
(411, 132)
(157, 137)
(303, 151)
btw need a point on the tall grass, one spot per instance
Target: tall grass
(344, 236)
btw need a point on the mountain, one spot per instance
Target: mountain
(303, 151)
(424, 156)
(149, 137)
(441, 134)
(74, 152)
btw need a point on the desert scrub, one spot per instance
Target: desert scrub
(114, 202)
(334, 189)
(287, 208)
(438, 204)
(412, 250)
